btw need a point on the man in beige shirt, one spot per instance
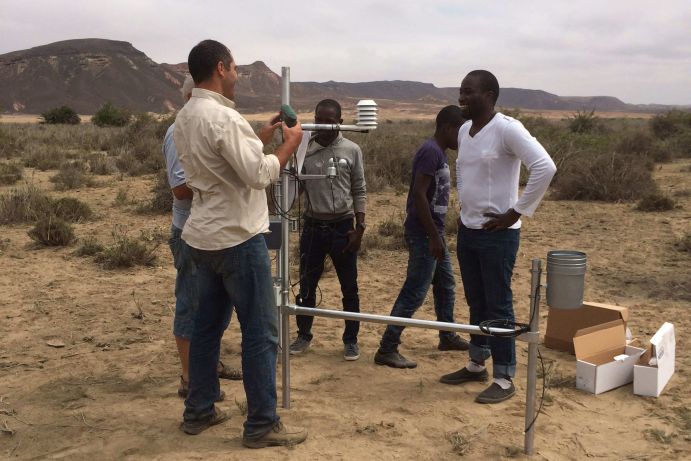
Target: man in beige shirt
(228, 171)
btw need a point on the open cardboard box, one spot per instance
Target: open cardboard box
(603, 360)
(650, 377)
(562, 324)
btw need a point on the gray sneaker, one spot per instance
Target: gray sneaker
(299, 346)
(351, 352)
(393, 360)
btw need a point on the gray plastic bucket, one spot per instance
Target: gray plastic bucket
(565, 278)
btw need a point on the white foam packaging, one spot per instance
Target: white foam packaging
(655, 367)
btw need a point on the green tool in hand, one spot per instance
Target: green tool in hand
(288, 115)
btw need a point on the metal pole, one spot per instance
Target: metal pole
(406, 322)
(531, 389)
(284, 258)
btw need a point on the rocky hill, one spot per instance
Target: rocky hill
(85, 73)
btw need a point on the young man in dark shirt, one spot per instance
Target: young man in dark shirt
(429, 262)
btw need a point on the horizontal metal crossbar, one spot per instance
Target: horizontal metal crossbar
(529, 337)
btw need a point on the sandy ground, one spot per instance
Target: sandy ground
(110, 392)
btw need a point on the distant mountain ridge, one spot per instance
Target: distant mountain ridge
(84, 73)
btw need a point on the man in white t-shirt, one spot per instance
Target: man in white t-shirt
(491, 148)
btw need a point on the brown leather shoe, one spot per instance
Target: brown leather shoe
(196, 427)
(279, 435)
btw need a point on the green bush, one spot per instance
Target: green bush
(10, 173)
(52, 231)
(656, 201)
(24, 204)
(606, 177)
(61, 115)
(72, 209)
(72, 175)
(109, 115)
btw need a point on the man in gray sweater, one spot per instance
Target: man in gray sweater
(331, 205)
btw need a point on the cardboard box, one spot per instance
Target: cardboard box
(562, 324)
(603, 360)
(656, 366)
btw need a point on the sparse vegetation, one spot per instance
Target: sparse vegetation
(656, 201)
(72, 175)
(162, 200)
(684, 243)
(584, 122)
(89, 247)
(52, 231)
(24, 204)
(109, 115)
(126, 251)
(72, 209)
(61, 115)
(10, 173)
(608, 177)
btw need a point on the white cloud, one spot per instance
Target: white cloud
(634, 50)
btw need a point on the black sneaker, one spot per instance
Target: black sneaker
(464, 375)
(299, 346)
(453, 343)
(351, 352)
(393, 359)
(196, 427)
(495, 394)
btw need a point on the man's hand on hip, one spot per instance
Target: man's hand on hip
(502, 221)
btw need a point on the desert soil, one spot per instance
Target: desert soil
(110, 392)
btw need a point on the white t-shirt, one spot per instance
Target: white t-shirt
(488, 169)
(227, 170)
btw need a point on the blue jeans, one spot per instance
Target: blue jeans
(317, 241)
(186, 292)
(423, 270)
(239, 276)
(486, 259)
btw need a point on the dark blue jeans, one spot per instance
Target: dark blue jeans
(239, 276)
(486, 259)
(317, 241)
(423, 270)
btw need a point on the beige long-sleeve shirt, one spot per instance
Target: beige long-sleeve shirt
(226, 168)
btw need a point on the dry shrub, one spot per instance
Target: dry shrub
(52, 231)
(72, 209)
(162, 200)
(43, 159)
(391, 233)
(100, 164)
(89, 247)
(656, 201)
(72, 175)
(127, 252)
(10, 173)
(605, 177)
(11, 145)
(460, 443)
(684, 243)
(24, 204)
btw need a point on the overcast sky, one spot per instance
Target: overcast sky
(638, 51)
